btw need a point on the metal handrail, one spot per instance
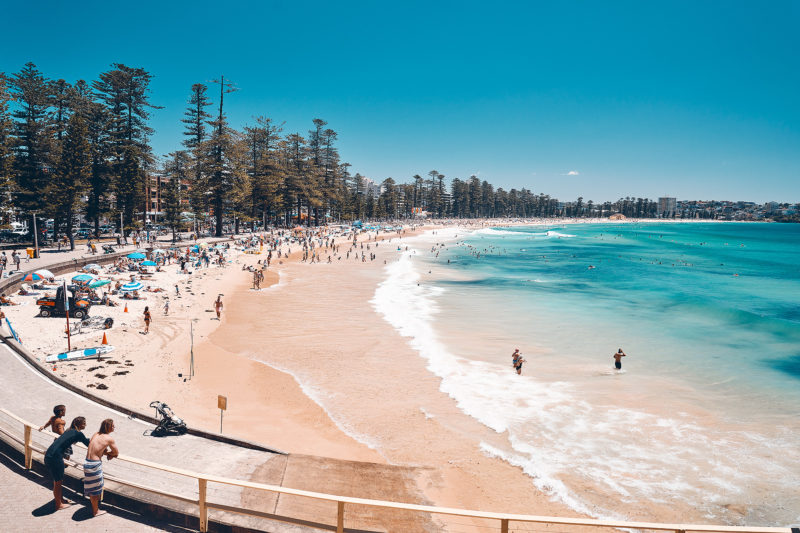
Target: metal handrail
(504, 518)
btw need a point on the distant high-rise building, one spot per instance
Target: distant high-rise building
(667, 207)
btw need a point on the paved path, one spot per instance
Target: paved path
(31, 396)
(28, 506)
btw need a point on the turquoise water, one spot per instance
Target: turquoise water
(714, 301)
(703, 416)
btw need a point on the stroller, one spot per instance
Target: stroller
(108, 249)
(169, 424)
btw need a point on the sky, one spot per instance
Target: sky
(696, 100)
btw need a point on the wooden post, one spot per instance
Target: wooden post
(340, 518)
(201, 503)
(504, 525)
(28, 449)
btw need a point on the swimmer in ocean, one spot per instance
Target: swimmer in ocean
(618, 359)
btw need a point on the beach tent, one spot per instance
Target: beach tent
(132, 286)
(99, 283)
(33, 276)
(83, 278)
(46, 274)
(149, 263)
(91, 266)
(136, 256)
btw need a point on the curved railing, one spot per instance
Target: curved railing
(203, 504)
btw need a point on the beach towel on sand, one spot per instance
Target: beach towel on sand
(92, 478)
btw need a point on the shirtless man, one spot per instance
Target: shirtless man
(618, 359)
(100, 444)
(56, 422)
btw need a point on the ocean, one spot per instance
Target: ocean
(703, 414)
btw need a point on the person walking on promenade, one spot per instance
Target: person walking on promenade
(618, 359)
(54, 457)
(102, 443)
(15, 258)
(218, 305)
(147, 319)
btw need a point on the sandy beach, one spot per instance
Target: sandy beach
(307, 366)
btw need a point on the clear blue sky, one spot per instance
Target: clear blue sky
(697, 100)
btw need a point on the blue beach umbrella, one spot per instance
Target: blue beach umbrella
(149, 263)
(83, 278)
(132, 286)
(99, 283)
(136, 256)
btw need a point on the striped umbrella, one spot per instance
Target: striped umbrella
(32, 276)
(91, 266)
(46, 274)
(132, 286)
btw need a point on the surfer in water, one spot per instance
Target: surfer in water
(517, 360)
(618, 359)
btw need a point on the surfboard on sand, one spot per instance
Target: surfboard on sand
(79, 354)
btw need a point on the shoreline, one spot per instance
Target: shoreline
(278, 354)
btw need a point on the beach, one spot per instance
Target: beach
(310, 365)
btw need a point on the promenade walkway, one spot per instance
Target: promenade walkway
(27, 497)
(27, 506)
(31, 396)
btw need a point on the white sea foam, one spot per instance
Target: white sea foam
(492, 232)
(554, 435)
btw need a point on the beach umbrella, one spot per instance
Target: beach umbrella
(195, 248)
(203, 245)
(157, 252)
(132, 286)
(83, 278)
(91, 266)
(33, 276)
(136, 256)
(99, 283)
(46, 274)
(149, 263)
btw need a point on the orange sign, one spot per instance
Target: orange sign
(222, 403)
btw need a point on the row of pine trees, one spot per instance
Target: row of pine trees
(83, 150)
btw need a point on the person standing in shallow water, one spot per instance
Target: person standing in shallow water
(618, 359)
(517, 360)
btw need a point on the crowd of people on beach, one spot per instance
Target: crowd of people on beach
(100, 445)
